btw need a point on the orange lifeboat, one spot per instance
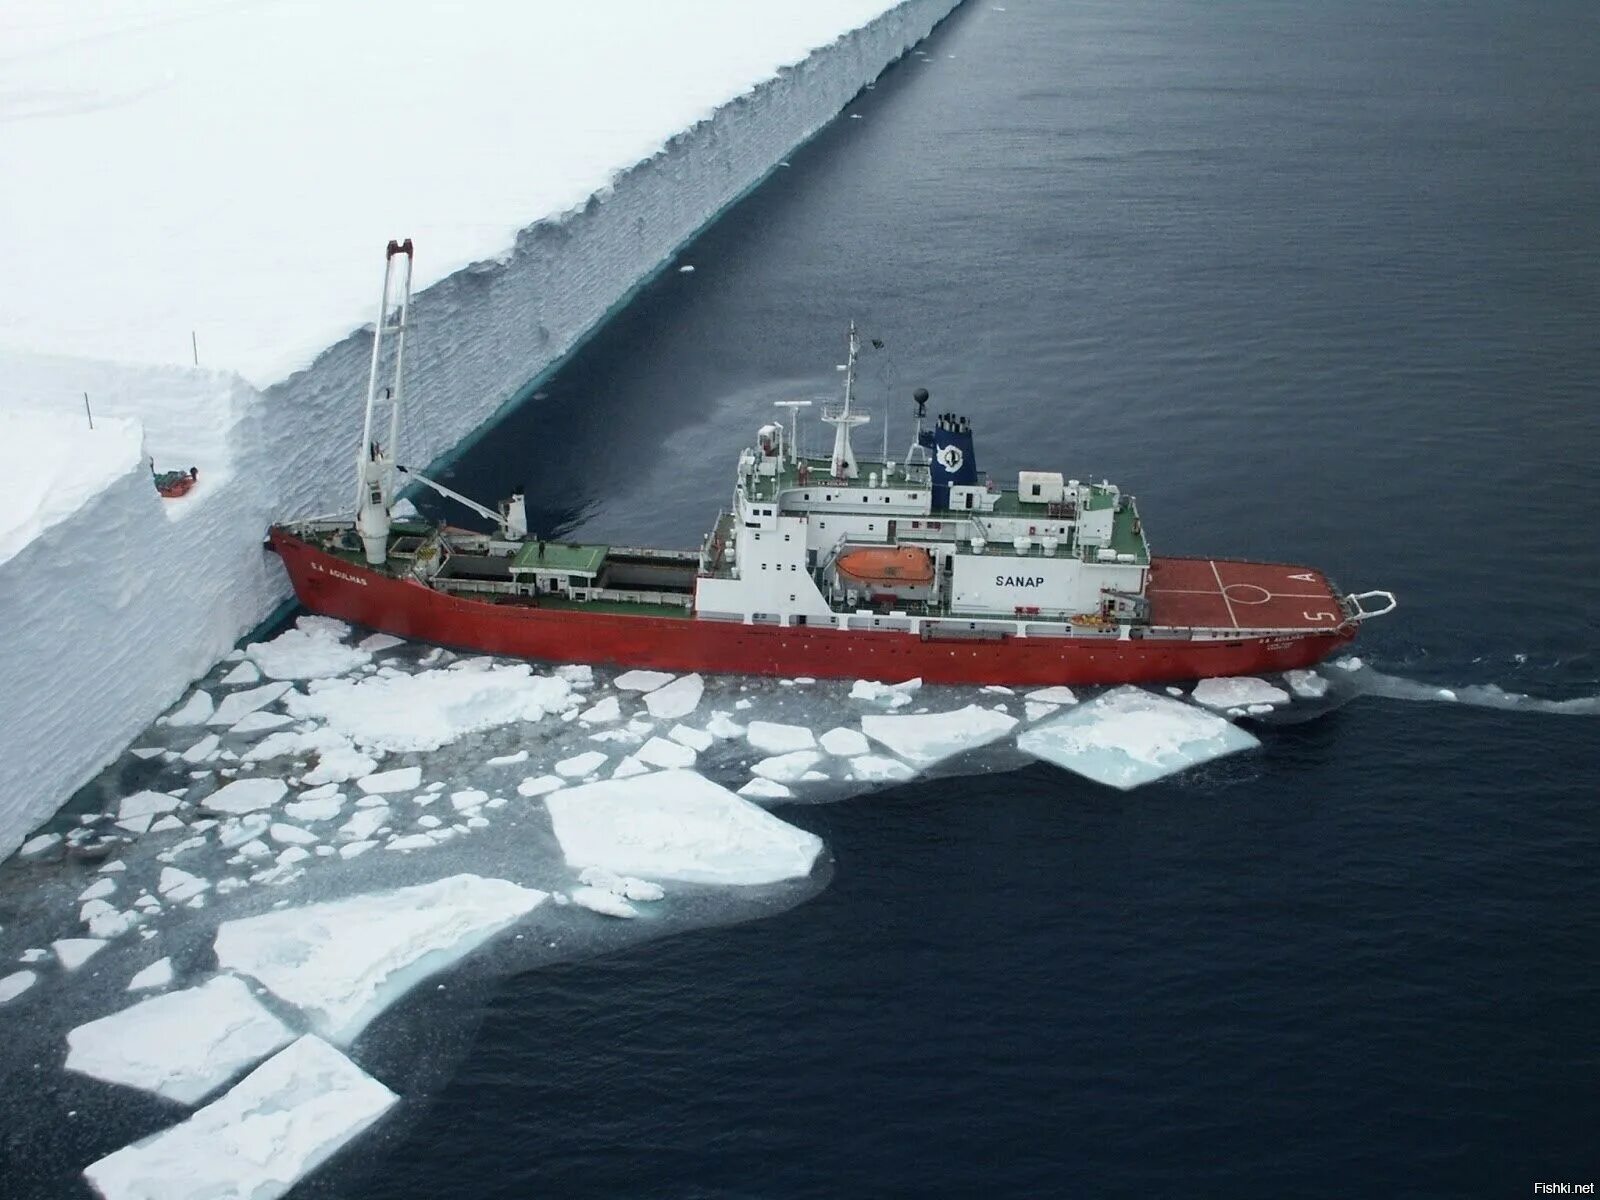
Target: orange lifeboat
(886, 567)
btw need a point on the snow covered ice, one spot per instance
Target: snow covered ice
(182, 1045)
(277, 1125)
(246, 795)
(344, 961)
(771, 737)
(14, 984)
(930, 738)
(1237, 691)
(677, 699)
(311, 650)
(620, 186)
(1306, 684)
(431, 708)
(1129, 737)
(677, 825)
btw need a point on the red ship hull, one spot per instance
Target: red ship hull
(335, 587)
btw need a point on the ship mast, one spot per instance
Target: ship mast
(375, 463)
(842, 419)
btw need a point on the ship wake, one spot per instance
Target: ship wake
(1368, 680)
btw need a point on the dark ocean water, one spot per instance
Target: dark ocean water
(1316, 280)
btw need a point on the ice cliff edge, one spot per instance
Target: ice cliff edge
(119, 599)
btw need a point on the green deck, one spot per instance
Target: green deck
(562, 557)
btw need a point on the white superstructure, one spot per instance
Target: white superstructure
(814, 538)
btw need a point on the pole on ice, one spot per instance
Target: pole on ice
(86, 410)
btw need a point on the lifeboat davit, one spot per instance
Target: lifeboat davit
(886, 568)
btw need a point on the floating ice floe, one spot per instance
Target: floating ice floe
(642, 681)
(242, 675)
(580, 765)
(365, 823)
(602, 713)
(39, 845)
(314, 808)
(468, 799)
(376, 643)
(239, 705)
(72, 953)
(194, 711)
(259, 722)
(1237, 691)
(844, 743)
(697, 740)
(933, 737)
(313, 649)
(506, 760)
(157, 975)
(891, 695)
(145, 804)
(1129, 737)
(181, 1045)
(676, 699)
(538, 785)
(344, 961)
(878, 768)
(662, 752)
(1306, 684)
(677, 825)
(769, 737)
(202, 750)
(14, 984)
(246, 795)
(1036, 710)
(402, 779)
(787, 768)
(277, 1125)
(98, 890)
(601, 901)
(177, 885)
(766, 789)
(396, 712)
(626, 886)
(1052, 695)
(723, 727)
(291, 835)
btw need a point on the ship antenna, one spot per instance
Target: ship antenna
(850, 368)
(843, 420)
(794, 407)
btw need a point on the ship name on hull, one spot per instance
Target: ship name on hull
(337, 574)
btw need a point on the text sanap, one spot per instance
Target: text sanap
(1018, 580)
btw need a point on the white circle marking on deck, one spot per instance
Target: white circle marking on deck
(1233, 589)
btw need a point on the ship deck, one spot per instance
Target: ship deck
(1220, 593)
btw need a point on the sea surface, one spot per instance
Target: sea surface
(1317, 281)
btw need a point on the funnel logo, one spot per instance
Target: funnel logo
(951, 458)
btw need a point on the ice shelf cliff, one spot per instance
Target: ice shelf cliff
(241, 233)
